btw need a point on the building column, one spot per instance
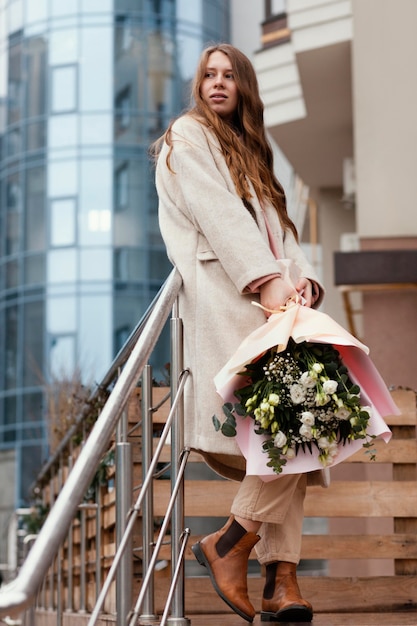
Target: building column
(385, 116)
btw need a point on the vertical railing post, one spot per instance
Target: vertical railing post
(124, 489)
(59, 574)
(99, 547)
(83, 559)
(177, 445)
(70, 549)
(148, 607)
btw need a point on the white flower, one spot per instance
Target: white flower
(333, 449)
(290, 453)
(280, 439)
(342, 413)
(297, 393)
(330, 386)
(317, 368)
(273, 399)
(307, 381)
(307, 418)
(306, 432)
(323, 443)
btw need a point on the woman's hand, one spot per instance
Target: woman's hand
(304, 288)
(275, 293)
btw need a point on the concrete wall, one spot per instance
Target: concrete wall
(385, 113)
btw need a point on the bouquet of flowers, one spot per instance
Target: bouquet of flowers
(299, 398)
(301, 394)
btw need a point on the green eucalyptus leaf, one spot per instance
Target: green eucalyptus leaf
(227, 408)
(216, 423)
(240, 410)
(228, 430)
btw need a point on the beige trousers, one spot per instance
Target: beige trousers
(279, 505)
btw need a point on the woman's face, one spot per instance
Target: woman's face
(218, 88)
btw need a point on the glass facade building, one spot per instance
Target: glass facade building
(85, 87)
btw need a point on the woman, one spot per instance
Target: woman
(224, 222)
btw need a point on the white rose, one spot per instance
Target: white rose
(342, 413)
(297, 394)
(330, 386)
(307, 418)
(305, 431)
(307, 381)
(280, 439)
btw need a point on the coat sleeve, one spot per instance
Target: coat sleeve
(200, 189)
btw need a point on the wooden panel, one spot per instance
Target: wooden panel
(396, 451)
(405, 399)
(408, 618)
(341, 499)
(397, 546)
(371, 594)
(320, 619)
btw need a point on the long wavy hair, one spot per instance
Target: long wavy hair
(244, 144)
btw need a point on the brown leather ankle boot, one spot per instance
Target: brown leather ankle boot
(225, 553)
(282, 601)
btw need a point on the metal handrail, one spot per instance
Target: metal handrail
(19, 593)
(133, 515)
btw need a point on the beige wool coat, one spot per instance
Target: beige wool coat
(219, 250)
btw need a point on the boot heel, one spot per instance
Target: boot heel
(199, 554)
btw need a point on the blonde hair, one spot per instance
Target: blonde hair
(244, 144)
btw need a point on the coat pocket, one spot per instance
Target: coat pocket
(204, 252)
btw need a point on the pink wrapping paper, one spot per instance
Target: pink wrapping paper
(305, 324)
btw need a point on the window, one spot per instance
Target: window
(123, 33)
(59, 8)
(11, 348)
(33, 334)
(62, 357)
(13, 215)
(275, 7)
(95, 264)
(62, 266)
(121, 335)
(122, 187)
(63, 131)
(35, 222)
(96, 87)
(63, 47)
(64, 89)
(123, 110)
(62, 222)
(36, 11)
